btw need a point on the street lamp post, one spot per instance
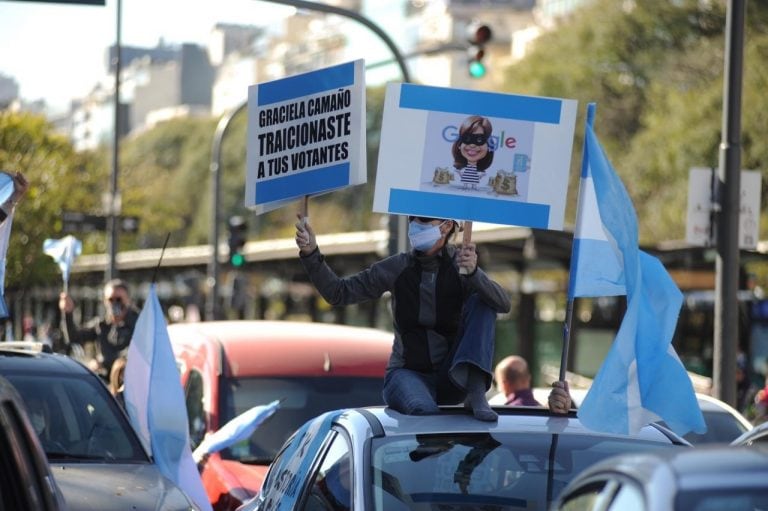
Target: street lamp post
(726, 336)
(113, 200)
(213, 309)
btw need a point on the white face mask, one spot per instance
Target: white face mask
(423, 236)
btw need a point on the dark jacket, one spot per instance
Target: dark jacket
(112, 340)
(427, 294)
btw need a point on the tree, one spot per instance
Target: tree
(164, 180)
(60, 179)
(654, 68)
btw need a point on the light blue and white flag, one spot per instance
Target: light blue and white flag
(64, 251)
(642, 380)
(239, 428)
(155, 402)
(5, 237)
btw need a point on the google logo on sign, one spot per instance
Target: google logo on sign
(451, 134)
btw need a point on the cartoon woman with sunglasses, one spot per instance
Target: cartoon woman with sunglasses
(471, 153)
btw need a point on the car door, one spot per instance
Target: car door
(294, 468)
(26, 481)
(331, 486)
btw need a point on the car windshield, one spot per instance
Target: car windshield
(302, 399)
(77, 420)
(483, 470)
(721, 427)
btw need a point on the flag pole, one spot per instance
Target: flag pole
(466, 240)
(569, 304)
(160, 260)
(304, 210)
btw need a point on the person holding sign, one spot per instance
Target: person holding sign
(444, 319)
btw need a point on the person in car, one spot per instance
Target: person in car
(444, 320)
(112, 333)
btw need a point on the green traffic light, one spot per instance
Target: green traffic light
(476, 69)
(237, 260)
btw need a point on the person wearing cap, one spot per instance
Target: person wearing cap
(444, 319)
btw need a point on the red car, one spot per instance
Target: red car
(228, 367)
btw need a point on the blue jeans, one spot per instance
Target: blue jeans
(419, 393)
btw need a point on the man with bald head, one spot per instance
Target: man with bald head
(514, 380)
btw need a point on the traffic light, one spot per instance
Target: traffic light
(237, 228)
(478, 36)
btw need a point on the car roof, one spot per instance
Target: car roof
(20, 358)
(511, 419)
(314, 348)
(706, 403)
(234, 332)
(759, 431)
(697, 468)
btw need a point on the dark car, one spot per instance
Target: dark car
(377, 459)
(95, 455)
(26, 481)
(707, 478)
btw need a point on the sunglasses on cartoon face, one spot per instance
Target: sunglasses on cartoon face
(474, 138)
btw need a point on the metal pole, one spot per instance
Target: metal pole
(212, 308)
(726, 334)
(398, 228)
(332, 9)
(112, 214)
(419, 53)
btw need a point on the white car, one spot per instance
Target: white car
(377, 459)
(707, 478)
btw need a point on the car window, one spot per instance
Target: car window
(302, 399)
(22, 485)
(77, 418)
(629, 496)
(331, 487)
(288, 473)
(719, 499)
(513, 469)
(590, 497)
(722, 427)
(195, 410)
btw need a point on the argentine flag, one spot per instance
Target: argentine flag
(642, 380)
(5, 239)
(64, 251)
(238, 429)
(155, 402)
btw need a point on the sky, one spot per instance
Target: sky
(57, 52)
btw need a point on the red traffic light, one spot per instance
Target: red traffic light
(480, 34)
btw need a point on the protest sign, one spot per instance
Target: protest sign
(472, 155)
(306, 135)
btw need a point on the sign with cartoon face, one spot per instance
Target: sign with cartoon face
(306, 135)
(471, 155)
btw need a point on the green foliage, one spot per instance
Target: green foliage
(164, 179)
(60, 180)
(655, 70)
